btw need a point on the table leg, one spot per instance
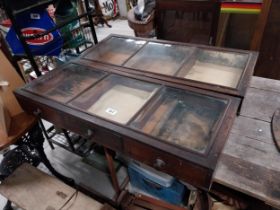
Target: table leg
(222, 28)
(112, 170)
(45, 133)
(8, 206)
(68, 139)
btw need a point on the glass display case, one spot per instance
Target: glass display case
(116, 98)
(115, 50)
(183, 118)
(160, 58)
(63, 84)
(214, 67)
(167, 125)
(218, 69)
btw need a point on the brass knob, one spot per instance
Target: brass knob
(159, 163)
(37, 112)
(89, 133)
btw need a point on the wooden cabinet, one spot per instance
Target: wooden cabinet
(174, 126)
(218, 69)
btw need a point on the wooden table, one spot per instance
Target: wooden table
(250, 162)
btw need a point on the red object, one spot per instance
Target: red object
(6, 23)
(241, 5)
(38, 41)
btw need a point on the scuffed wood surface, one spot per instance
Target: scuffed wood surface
(31, 189)
(250, 161)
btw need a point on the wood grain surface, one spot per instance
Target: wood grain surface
(31, 189)
(250, 160)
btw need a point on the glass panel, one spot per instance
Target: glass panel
(115, 50)
(160, 58)
(116, 98)
(64, 84)
(214, 67)
(184, 118)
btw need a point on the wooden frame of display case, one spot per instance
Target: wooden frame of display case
(238, 91)
(190, 166)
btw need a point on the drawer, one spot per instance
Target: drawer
(170, 164)
(74, 124)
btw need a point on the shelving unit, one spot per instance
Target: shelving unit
(40, 62)
(64, 139)
(12, 12)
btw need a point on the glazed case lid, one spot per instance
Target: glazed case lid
(219, 69)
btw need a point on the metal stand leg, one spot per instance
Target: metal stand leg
(37, 141)
(45, 133)
(69, 141)
(47, 163)
(8, 206)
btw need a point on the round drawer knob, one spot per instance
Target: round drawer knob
(37, 112)
(159, 163)
(89, 133)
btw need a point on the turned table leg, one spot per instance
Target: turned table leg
(112, 170)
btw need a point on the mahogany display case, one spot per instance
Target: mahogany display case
(170, 126)
(216, 69)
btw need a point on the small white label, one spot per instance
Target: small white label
(111, 111)
(35, 16)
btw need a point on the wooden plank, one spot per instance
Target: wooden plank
(222, 27)
(260, 26)
(260, 104)
(254, 180)
(251, 128)
(253, 151)
(265, 84)
(32, 189)
(85, 175)
(250, 160)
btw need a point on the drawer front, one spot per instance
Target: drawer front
(74, 124)
(170, 164)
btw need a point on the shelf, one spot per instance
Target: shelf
(14, 8)
(85, 175)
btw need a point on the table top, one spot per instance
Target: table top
(249, 162)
